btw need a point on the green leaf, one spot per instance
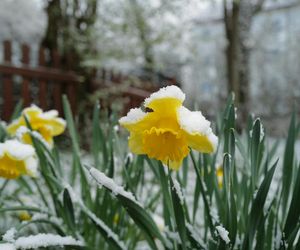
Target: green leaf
(179, 213)
(69, 210)
(139, 215)
(256, 214)
(288, 161)
(291, 222)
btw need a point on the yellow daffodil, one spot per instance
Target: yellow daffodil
(24, 216)
(47, 124)
(168, 130)
(17, 158)
(219, 174)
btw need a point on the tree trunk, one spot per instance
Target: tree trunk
(245, 21)
(53, 10)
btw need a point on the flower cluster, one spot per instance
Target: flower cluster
(17, 156)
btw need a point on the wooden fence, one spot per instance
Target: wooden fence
(44, 84)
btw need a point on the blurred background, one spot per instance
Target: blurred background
(120, 51)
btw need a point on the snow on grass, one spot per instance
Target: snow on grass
(178, 191)
(45, 240)
(9, 235)
(96, 220)
(166, 92)
(7, 246)
(110, 184)
(223, 234)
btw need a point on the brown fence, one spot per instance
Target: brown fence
(39, 84)
(44, 84)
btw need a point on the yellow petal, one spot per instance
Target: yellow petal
(197, 130)
(137, 120)
(135, 143)
(11, 168)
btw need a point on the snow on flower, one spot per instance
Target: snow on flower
(16, 159)
(47, 124)
(168, 130)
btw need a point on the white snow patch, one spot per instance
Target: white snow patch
(166, 92)
(18, 150)
(7, 246)
(193, 122)
(134, 115)
(45, 240)
(223, 234)
(109, 183)
(9, 235)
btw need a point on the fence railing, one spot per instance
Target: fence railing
(44, 84)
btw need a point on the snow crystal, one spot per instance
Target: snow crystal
(109, 183)
(134, 115)
(166, 92)
(223, 234)
(9, 235)
(195, 123)
(45, 240)
(7, 246)
(178, 191)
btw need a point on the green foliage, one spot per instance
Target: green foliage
(257, 208)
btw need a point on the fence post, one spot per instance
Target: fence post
(25, 85)
(42, 82)
(7, 84)
(57, 96)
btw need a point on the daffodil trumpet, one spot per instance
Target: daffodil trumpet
(167, 129)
